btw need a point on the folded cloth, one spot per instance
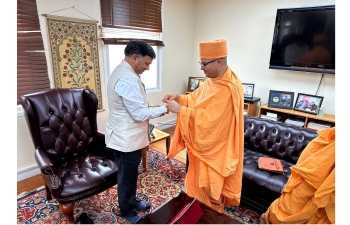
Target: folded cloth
(270, 164)
(84, 219)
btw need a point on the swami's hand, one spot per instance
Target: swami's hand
(170, 97)
(173, 106)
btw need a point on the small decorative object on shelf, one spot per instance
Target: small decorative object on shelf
(248, 90)
(194, 83)
(298, 118)
(281, 99)
(308, 103)
(321, 111)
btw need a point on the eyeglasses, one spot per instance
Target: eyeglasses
(204, 64)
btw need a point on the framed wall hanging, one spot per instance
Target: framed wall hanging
(74, 54)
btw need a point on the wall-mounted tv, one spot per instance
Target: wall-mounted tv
(304, 40)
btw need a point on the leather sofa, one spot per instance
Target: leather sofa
(269, 138)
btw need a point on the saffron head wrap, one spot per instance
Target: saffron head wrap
(213, 49)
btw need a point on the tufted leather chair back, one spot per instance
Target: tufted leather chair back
(62, 122)
(276, 139)
(69, 149)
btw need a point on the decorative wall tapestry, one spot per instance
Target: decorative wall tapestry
(74, 53)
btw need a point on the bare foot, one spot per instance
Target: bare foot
(262, 219)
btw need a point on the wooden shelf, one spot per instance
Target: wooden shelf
(286, 113)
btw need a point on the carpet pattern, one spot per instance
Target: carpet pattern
(162, 181)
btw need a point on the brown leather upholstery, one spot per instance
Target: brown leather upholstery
(69, 149)
(271, 139)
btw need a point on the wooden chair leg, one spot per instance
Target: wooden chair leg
(67, 210)
(48, 193)
(167, 145)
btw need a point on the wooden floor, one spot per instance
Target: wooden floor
(37, 181)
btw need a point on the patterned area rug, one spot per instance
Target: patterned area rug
(162, 181)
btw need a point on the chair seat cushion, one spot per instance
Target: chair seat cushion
(86, 173)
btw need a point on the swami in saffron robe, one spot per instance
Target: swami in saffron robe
(210, 125)
(309, 195)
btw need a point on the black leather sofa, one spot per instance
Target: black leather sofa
(269, 138)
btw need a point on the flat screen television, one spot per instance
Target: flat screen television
(304, 40)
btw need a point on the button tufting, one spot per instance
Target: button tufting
(287, 134)
(278, 141)
(301, 138)
(261, 128)
(93, 169)
(274, 131)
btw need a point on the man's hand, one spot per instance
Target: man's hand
(170, 97)
(173, 106)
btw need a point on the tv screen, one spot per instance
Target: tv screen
(304, 40)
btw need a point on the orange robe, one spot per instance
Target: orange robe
(309, 195)
(210, 125)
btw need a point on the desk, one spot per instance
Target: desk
(160, 135)
(164, 213)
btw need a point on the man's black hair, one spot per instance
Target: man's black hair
(140, 48)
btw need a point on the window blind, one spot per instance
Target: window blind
(128, 20)
(32, 75)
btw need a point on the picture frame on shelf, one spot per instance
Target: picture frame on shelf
(194, 83)
(248, 90)
(281, 99)
(308, 103)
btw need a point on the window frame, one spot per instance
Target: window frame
(159, 58)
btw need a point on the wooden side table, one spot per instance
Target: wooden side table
(160, 135)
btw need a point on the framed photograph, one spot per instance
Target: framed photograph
(248, 90)
(194, 83)
(308, 103)
(281, 99)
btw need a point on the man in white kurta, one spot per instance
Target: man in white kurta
(127, 125)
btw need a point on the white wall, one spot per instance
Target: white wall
(248, 27)
(176, 62)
